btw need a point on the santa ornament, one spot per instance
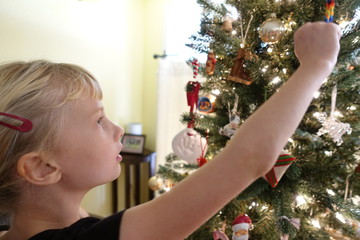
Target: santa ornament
(240, 227)
(282, 164)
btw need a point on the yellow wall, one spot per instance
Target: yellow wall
(114, 39)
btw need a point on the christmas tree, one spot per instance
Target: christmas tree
(313, 190)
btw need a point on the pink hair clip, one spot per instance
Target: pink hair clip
(25, 126)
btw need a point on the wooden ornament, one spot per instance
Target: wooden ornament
(210, 63)
(237, 73)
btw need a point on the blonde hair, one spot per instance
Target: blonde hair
(39, 91)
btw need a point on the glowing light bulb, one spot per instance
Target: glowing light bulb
(300, 200)
(316, 94)
(328, 153)
(330, 192)
(216, 92)
(338, 114)
(316, 223)
(352, 108)
(269, 50)
(316, 114)
(275, 80)
(340, 217)
(264, 69)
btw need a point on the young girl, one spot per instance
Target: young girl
(57, 144)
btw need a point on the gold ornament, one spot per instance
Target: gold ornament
(227, 24)
(155, 183)
(271, 30)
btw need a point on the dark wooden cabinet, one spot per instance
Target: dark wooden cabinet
(132, 163)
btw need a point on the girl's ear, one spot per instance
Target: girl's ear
(38, 170)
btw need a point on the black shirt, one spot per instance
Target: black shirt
(88, 228)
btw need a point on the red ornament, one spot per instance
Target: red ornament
(192, 94)
(241, 226)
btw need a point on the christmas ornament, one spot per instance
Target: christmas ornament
(329, 10)
(195, 65)
(227, 24)
(155, 183)
(238, 73)
(219, 235)
(240, 227)
(210, 63)
(234, 120)
(206, 104)
(330, 125)
(188, 145)
(282, 164)
(271, 30)
(192, 94)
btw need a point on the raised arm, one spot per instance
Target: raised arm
(250, 154)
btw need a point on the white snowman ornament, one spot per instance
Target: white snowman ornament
(188, 145)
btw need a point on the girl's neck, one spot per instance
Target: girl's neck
(44, 212)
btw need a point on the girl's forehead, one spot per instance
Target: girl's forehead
(87, 105)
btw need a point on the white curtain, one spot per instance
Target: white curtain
(174, 73)
(172, 78)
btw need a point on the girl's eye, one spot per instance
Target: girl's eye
(99, 121)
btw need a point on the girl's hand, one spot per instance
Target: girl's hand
(317, 45)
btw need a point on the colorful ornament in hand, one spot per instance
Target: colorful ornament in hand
(188, 145)
(282, 164)
(271, 30)
(329, 12)
(240, 227)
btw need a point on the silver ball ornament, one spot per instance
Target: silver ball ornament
(271, 30)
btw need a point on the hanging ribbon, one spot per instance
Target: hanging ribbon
(346, 188)
(333, 101)
(202, 160)
(329, 10)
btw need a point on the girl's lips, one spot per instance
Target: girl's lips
(119, 158)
